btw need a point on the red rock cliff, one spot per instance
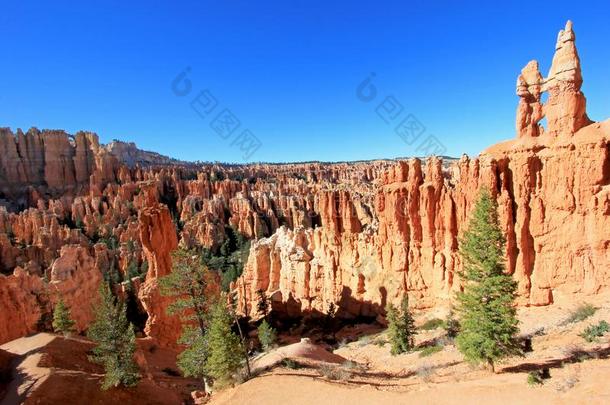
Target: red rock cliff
(553, 189)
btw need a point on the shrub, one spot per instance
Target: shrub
(62, 321)
(291, 364)
(334, 373)
(534, 378)
(266, 335)
(380, 342)
(432, 324)
(351, 365)
(451, 326)
(430, 350)
(401, 327)
(592, 332)
(425, 372)
(364, 340)
(581, 313)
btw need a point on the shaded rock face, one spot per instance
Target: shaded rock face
(21, 307)
(76, 279)
(357, 235)
(565, 109)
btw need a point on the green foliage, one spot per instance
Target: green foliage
(230, 259)
(334, 373)
(143, 269)
(225, 353)
(266, 335)
(451, 325)
(430, 350)
(110, 241)
(115, 342)
(188, 285)
(488, 316)
(401, 327)
(113, 275)
(291, 364)
(133, 270)
(432, 324)
(193, 359)
(262, 306)
(592, 332)
(62, 322)
(534, 378)
(130, 245)
(581, 313)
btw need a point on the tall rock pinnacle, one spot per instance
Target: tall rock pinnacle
(565, 109)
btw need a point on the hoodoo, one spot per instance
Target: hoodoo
(552, 185)
(356, 235)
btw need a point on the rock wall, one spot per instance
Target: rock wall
(158, 236)
(358, 234)
(553, 189)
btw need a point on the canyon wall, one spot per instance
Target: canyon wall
(553, 189)
(74, 214)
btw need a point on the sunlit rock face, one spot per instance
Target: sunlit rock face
(360, 235)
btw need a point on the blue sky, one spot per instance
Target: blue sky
(288, 71)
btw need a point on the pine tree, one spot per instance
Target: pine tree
(188, 285)
(62, 321)
(401, 327)
(262, 305)
(486, 306)
(193, 359)
(451, 325)
(225, 352)
(266, 335)
(115, 342)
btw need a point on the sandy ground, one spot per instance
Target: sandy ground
(54, 370)
(27, 376)
(579, 370)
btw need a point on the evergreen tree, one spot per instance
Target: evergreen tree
(62, 322)
(451, 325)
(193, 359)
(188, 285)
(132, 270)
(225, 352)
(330, 318)
(115, 342)
(266, 335)
(401, 327)
(486, 306)
(262, 305)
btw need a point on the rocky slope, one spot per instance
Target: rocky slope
(358, 235)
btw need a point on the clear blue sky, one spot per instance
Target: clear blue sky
(287, 69)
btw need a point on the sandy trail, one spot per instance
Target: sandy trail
(26, 373)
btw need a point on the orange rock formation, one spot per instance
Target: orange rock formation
(359, 235)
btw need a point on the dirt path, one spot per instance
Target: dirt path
(26, 373)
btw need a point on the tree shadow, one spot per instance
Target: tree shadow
(19, 378)
(576, 356)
